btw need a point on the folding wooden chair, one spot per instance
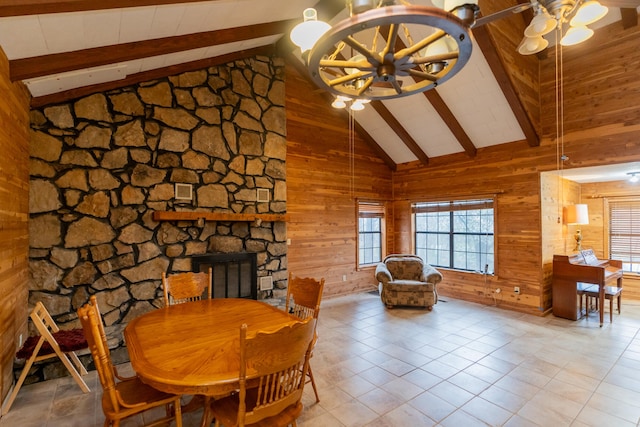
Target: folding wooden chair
(52, 342)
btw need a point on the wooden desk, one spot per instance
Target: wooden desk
(193, 348)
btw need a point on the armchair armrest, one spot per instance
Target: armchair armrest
(382, 273)
(430, 275)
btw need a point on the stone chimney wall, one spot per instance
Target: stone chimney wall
(101, 165)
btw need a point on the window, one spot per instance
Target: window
(624, 233)
(370, 232)
(456, 234)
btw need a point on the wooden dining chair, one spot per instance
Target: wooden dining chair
(303, 300)
(51, 342)
(185, 287)
(273, 366)
(122, 397)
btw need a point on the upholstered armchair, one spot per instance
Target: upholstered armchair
(407, 280)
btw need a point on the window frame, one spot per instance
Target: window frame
(464, 204)
(368, 208)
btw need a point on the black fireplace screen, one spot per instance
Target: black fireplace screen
(234, 274)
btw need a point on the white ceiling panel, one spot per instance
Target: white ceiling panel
(21, 37)
(135, 24)
(371, 121)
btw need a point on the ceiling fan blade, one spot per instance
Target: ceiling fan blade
(519, 8)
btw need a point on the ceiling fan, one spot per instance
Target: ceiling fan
(389, 49)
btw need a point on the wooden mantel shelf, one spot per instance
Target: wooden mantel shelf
(216, 216)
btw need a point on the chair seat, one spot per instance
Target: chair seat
(69, 340)
(415, 285)
(135, 393)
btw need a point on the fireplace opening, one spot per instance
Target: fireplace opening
(235, 275)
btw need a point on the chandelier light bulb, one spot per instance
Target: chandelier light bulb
(357, 105)
(307, 33)
(590, 12)
(338, 103)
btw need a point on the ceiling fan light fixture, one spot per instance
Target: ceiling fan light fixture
(588, 13)
(575, 35)
(307, 33)
(633, 176)
(532, 45)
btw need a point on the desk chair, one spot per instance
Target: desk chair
(128, 396)
(184, 287)
(52, 342)
(303, 300)
(273, 366)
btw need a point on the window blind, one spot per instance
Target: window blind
(370, 209)
(624, 230)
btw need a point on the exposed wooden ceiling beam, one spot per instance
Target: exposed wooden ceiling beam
(402, 133)
(36, 7)
(38, 66)
(144, 76)
(484, 40)
(629, 17)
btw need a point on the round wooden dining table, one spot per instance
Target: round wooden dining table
(193, 348)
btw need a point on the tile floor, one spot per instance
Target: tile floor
(462, 364)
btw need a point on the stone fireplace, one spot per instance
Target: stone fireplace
(102, 166)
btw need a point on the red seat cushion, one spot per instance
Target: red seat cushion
(70, 340)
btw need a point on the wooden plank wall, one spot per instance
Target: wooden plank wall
(322, 187)
(14, 214)
(602, 127)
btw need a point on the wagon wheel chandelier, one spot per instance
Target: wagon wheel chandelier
(390, 49)
(362, 57)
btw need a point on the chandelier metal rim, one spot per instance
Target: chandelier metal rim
(401, 62)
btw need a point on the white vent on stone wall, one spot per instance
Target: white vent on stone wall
(183, 191)
(266, 283)
(262, 195)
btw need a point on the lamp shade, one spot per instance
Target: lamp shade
(576, 35)
(577, 214)
(540, 25)
(531, 45)
(590, 12)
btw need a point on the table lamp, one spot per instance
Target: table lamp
(577, 215)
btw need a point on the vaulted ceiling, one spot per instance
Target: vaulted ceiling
(67, 49)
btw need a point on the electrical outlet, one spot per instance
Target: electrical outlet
(516, 290)
(344, 277)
